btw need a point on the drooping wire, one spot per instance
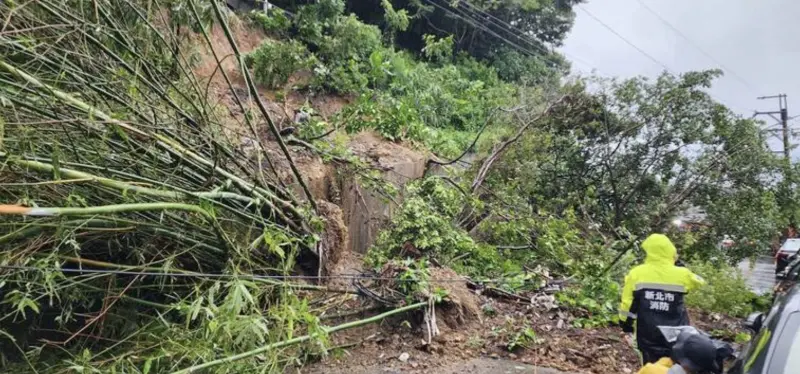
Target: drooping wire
(234, 276)
(516, 31)
(640, 50)
(697, 46)
(463, 15)
(634, 46)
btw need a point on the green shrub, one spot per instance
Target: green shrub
(410, 97)
(447, 98)
(314, 20)
(396, 20)
(438, 49)
(448, 143)
(513, 66)
(273, 22)
(725, 290)
(274, 62)
(426, 221)
(594, 300)
(345, 53)
(350, 39)
(394, 118)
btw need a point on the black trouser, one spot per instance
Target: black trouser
(652, 354)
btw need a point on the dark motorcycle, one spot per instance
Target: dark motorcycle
(724, 350)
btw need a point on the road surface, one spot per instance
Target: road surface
(761, 278)
(474, 366)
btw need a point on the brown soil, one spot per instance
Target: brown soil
(332, 245)
(387, 155)
(247, 39)
(558, 345)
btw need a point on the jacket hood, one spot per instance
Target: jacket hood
(659, 250)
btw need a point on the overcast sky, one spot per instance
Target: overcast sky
(755, 42)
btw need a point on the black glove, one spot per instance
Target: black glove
(627, 325)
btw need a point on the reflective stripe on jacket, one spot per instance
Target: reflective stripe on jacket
(653, 292)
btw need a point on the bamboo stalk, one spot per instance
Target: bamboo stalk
(162, 140)
(235, 94)
(253, 277)
(122, 186)
(299, 339)
(264, 113)
(116, 208)
(103, 209)
(68, 99)
(126, 297)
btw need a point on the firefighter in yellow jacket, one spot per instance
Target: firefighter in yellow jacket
(653, 296)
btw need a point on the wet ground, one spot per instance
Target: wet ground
(761, 277)
(475, 366)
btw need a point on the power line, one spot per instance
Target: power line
(653, 59)
(464, 15)
(516, 31)
(609, 28)
(473, 23)
(694, 44)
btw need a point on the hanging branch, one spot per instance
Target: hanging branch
(499, 149)
(466, 150)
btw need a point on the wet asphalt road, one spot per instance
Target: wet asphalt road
(761, 278)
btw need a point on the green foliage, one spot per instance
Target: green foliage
(543, 23)
(725, 290)
(742, 337)
(541, 239)
(594, 300)
(397, 96)
(447, 143)
(620, 157)
(438, 49)
(392, 117)
(410, 99)
(342, 43)
(349, 39)
(413, 278)
(274, 62)
(314, 127)
(426, 221)
(396, 20)
(274, 22)
(513, 336)
(314, 20)
(514, 66)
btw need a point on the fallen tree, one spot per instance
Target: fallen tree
(136, 236)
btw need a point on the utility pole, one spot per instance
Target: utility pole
(783, 112)
(783, 120)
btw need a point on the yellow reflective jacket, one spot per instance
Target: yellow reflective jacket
(660, 367)
(653, 292)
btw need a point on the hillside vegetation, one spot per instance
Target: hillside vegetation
(161, 217)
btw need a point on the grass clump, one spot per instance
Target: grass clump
(725, 291)
(425, 225)
(275, 61)
(273, 22)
